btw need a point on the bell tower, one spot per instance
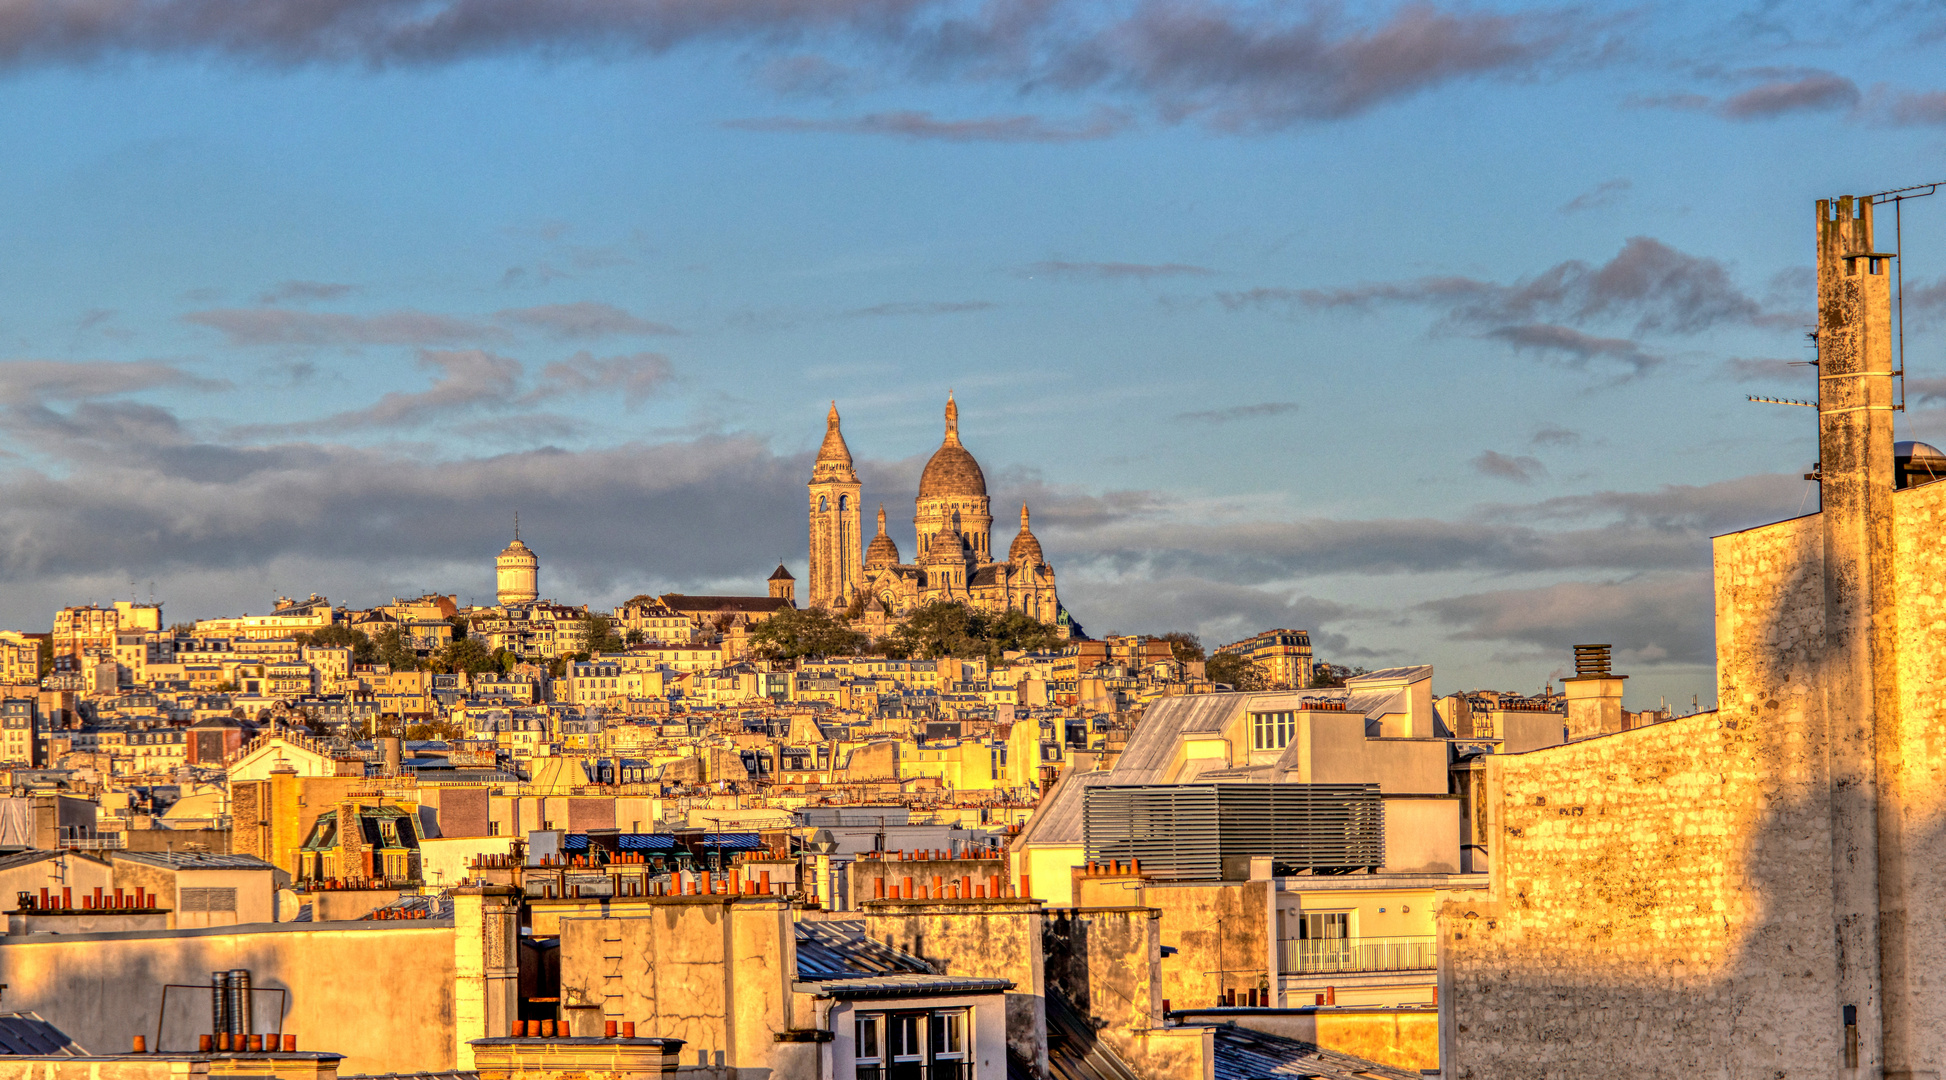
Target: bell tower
(836, 556)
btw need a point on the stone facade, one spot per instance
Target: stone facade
(953, 521)
(1752, 892)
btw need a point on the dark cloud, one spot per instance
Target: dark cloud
(1521, 470)
(1655, 619)
(1114, 270)
(1239, 412)
(1576, 349)
(1606, 193)
(587, 319)
(1217, 612)
(1555, 436)
(920, 125)
(921, 307)
(1812, 92)
(303, 291)
(278, 326)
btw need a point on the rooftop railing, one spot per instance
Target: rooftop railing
(1330, 956)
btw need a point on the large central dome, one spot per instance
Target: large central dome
(952, 471)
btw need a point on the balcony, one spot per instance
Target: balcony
(1332, 956)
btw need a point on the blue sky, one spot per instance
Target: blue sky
(1427, 328)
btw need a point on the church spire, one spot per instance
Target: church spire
(881, 519)
(834, 457)
(952, 420)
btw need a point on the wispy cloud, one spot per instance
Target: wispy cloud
(1521, 469)
(1606, 193)
(921, 307)
(921, 125)
(1113, 271)
(1551, 435)
(281, 326)
(587, 319)
(1239, 412)
(304, 291)
(1576, 349)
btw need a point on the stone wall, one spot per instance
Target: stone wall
(1221, 934)
(995, 939)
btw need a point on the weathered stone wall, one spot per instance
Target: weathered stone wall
(1221, 934)
(995, 939)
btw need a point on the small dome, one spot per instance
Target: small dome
(952, 471)
(882, 551)
(517, 549)
(947, 544)
(1916, 450)
(1026, 547)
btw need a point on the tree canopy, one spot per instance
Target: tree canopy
(1235, 671)
(948, 628)
(394, 647)
(1187, 646)
(466, 654)
(602, 637)
(340, 636)
(795, 633)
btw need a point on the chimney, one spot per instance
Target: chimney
(1594, 694)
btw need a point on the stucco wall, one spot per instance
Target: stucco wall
(380, 996)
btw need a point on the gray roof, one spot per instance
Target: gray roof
(1245, 1054)
(26, 1034)
(1411, 673)
(193, 860)
(907, 985)
(839, 949)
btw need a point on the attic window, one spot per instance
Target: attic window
(1272, 730)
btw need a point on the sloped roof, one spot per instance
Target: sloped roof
(1246, 1054)
(840, 948)
(28, 1035)
(192, 860)
(687, 604)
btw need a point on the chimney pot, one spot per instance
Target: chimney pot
(141, 1045)
(290, 1044)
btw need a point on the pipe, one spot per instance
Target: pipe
(240, 1000)
(219, 1002)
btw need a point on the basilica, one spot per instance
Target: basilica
(954, 557)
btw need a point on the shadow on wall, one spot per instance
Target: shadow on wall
(1662, 901)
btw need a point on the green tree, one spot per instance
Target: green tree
(949, 628)
(793, 633)
(467, 655)
(46, 656)
(339, 636)
(1235, 671)
(634, 637)
(394, 647)
(1187, 647)
(1328, 675)
(460, 626)
(601, 635)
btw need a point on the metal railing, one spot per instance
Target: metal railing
(917, 1070)
(1323, 956)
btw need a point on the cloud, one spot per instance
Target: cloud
(464, 379)
(1239, 412)
(1606, 193)
(1576, 349)
(246, 327)
(1654, 619)
(921, 307)
(33, 383)
(1555, 436)
(302, 291)
(587, 319)
(1242, 71)
(1765, 368)
(918, 125)
(1910, 109)
(1114, 270)
(1812, 92)
(639, 377)
(807, 75)
(1522, 470)
(1216, 611)
(1661, 288)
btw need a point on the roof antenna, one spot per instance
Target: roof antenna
(516, 524)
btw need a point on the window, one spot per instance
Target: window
(493, 828)
(1272, 730)
(905, 1037)
(949, 1034)
(1324, 925)
(870, 1041)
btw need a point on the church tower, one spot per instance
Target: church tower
(836, 558)
(953, 485)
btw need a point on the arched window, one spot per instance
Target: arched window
(844, 502)
(823, 505)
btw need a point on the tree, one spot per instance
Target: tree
(601, 635)
(46, 656)
(1187, 647)
(1235, 671)
(1329, 675)
(634, 637)
(949, 628)
(467, 655)
(394, 647)
(340, 636)
(460, 626)
(793, 632)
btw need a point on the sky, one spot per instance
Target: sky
(1425, 327)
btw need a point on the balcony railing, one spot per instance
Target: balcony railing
(1328, 956)
(917, 1070)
